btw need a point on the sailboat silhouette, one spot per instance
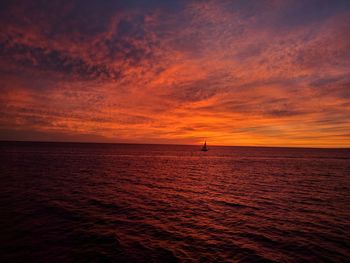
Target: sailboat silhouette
(204, 147)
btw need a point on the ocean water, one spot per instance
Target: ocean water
(65, 202)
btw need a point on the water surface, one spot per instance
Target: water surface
(65, 202)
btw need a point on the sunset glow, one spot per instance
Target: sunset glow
(272, 73)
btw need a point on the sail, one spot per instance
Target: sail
(205, 148)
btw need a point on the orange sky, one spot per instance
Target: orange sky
(272, 73)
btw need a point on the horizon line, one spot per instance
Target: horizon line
(137, 143)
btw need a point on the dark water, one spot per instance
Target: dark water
(148, 203)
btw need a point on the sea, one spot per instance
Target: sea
(86, 202)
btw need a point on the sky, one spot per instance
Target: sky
(240, 72)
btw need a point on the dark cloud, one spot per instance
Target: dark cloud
(196, 90)
(74, 37)
(54, 60)
(11, 134)
(300, 13)
(284, 113)
(338, 86)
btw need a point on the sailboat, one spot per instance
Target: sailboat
(204, 147)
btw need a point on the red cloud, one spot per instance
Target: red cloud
(233, 74)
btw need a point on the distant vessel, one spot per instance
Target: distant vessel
(204, 147)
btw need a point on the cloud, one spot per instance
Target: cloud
(235, 72)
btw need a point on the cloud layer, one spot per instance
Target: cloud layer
(236, 72)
